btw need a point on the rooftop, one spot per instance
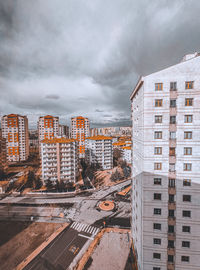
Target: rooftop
(99, 138)
(58, 140)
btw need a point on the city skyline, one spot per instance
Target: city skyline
(44, 67)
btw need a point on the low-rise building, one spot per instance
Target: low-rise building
(59, 160)
(99, 151)
(127, 154)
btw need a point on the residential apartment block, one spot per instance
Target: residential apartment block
(48, 127)
(80, 129)
(15, 131)
(59, 160)
(63, 131)
(99, 150)
(3, 159)
(166, 168)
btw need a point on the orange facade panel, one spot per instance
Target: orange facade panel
(81, 149)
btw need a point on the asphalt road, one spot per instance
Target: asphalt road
(60, 253)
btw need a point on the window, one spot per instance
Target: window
(157, 241)
(171, 213)
(173, 86)
(157, 181)
(189, 102)
(172, 135)
(156, 256)
(186, 229)
(171, 182)
(158, 118)
(172, 167)
(189, 85)
(186, 213)
(186, 182)
(188, 135)
(157, 211)
(185, 258)
(157, 166)
(170, 244)
(157, 196)
(156, 268)
(188, 118)
(186, 244)
(186, 198)
(187, 150)
(172, 151)
(171, 198)
(158, 150)
(170, 228)
(158, 135)
(173, 119)
(187, 166)
(158, 86)
(170, 258)
(158, 102)
(157, 226)
(172, 103)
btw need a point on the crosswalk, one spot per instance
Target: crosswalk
(81, 227)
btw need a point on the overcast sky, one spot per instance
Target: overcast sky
(84, 57)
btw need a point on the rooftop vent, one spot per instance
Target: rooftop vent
(190, 56)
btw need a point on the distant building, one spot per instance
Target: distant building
(127, 154)
(166, 168)
(3, 159)
(111, 131)
(80, 129)
(48, 127)
(59, 160)
(63, 131)
(99, 151)
(33, 140)
(15, 131)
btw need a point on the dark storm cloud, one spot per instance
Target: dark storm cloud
(72, 57)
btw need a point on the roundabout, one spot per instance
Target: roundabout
(106, 205)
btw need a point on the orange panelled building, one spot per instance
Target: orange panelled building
(48, 127)
(15, 131)
(80, 129)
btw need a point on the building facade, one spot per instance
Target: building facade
(99, 151)
(59, 160)
(80, 130)
(166, 168)
(63, 131)
(127, 154)
(48, 127)
(3, 159)
(15, 131)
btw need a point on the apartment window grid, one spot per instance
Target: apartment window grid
(158, 86)
(188, 118)
(187, 134)
(187, 182)
(186, 244)
(157, 241)
(157, 166)
(157, 211)
(187, 166)
(158, 150)
(189, 102)
(158, 119)
(173, 86)
(156, 255)
(186, 229)
(185, 258)
(172, 182)
(158, 102)
(172, 151)
(187, 150)
(157, 181)
(189, 85)
(157, 196)
(172, 103)
(158, 135)
(186, 213)
(172, 119)
(156, 268)
(186, 198)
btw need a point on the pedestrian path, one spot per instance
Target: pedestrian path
(81, 227)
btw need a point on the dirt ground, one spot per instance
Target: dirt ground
(103, 177)
(19, 239)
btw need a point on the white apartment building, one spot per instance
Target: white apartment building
(80, 129)
(166, 168)
(64, 131)
(15, 131)
(127, 154)
(99, 151)
(48, 127)
(59, 160)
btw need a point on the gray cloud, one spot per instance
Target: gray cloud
(71, 57)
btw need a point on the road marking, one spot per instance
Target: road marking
(73, 224)
(96, 231)
(84, 236)
(88, 229)
(93, 228)
(84, 225)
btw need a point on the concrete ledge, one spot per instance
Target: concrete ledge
(26, 261)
